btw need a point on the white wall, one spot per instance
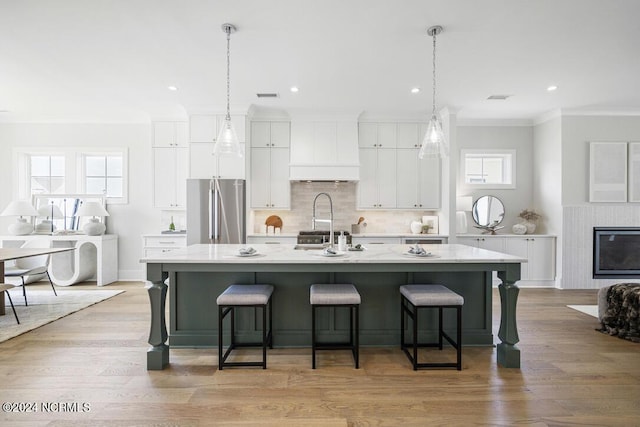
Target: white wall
(519, 138)
(579, 215)
(547, 176)
(129, 221)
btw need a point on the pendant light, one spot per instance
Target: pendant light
(227, 143)
(434, 142)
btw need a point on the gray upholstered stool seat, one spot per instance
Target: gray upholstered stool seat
(336, 295)
(236, 296)
(415, 297)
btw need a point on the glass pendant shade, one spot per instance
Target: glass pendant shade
(227, 143)
(434, 143)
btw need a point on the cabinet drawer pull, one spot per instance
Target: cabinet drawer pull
(167, 243)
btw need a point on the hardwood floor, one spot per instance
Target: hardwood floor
(571, 375)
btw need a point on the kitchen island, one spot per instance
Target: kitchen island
(199, 273)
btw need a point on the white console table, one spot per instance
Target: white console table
(95, 257)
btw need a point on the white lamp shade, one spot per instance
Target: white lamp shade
(19, 208)
(47, 212)
(92, 209)
(464, 203)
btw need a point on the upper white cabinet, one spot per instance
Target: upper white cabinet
(170, 134)
(270, 187)
(170, 171)
(408, 183)
(377, 185)
(418, 180)
(608, 172)
(270, 134)
(205, 127)
(377, 135)
(203, 164)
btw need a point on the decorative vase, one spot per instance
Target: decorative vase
(519, 229)
(531, 226)
(416, 227)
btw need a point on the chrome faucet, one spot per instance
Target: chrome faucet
(330, 220)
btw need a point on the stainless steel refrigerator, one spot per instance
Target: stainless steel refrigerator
(216, 211)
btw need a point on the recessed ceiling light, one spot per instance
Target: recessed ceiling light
(415, 90)
(173, 88)
(552, 88)
(294, 89)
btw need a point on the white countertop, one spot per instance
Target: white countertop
(278, 254)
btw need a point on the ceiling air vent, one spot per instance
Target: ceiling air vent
(499, 97)
(267, 95)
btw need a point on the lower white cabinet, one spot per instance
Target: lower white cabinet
(156, 244)
(539, 250)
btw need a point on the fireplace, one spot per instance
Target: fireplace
(616, 252)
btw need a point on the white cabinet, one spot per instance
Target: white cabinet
(170, 171)
(270, 134)
(156, 244)
(540, 254)
(377, 135)
(492, 243)
(170, 134)
(203, 164)
(418, 180)
(205, 127)
(377, 185)
(270, 187)
(539, 250)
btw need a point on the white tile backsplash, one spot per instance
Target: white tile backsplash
(343, 195)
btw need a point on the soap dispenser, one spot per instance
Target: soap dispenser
(342, 242)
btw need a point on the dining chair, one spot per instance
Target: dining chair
(31, 267)
(4, 287)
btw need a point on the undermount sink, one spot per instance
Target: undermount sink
(309, 246)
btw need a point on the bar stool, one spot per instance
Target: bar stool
(415, 297)
(236, 296)
(336, 295)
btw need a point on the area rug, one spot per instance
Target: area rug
(44, 307)
(591, 310)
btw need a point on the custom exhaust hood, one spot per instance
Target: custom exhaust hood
(324, 148)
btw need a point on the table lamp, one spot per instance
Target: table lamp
(463, 205)
(50, 212)
(20, 208)
(94, 209)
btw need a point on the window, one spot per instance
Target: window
(488, 168)
(103, 175)
(71, 170)
(46, 174)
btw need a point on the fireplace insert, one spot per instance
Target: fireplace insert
(616, 252)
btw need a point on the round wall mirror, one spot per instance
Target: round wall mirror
(488, 211)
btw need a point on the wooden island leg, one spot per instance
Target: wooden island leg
(508, 352)
(158, 354)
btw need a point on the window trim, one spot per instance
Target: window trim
(510, 153)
